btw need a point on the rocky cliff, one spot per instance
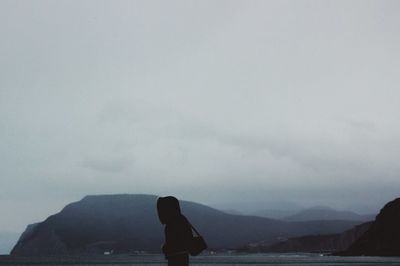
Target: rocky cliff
(383, 236)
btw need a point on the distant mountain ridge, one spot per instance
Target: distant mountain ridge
(268, 209)
(125, 223)
(292, 212)
(313, 243)
(326, 213)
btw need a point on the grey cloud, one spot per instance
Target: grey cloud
(268, 100)
(107, 165)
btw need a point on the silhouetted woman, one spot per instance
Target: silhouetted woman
(178, 232)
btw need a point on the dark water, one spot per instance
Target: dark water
(251, 259)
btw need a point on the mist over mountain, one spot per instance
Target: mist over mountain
(125, 223)
(267, 209)
(7, 241)
(289, 211)
(254, 207)
(327, 213)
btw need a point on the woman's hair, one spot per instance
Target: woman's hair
(168, 209)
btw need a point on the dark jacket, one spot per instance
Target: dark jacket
(178, 231)
(178, 236)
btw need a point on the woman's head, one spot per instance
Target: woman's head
(168, 209)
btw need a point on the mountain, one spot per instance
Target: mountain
(326, 213)
(268, 209)
(275, 213)
(383, 236)
(125, 223)
(235, 212)
(313, 243)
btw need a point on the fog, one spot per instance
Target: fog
(218, 102)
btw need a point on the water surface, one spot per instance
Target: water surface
(298, 259)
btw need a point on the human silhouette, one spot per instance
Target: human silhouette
(178, 231)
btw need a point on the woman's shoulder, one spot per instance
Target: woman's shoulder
(183, 219)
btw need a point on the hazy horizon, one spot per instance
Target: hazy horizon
(216, 102)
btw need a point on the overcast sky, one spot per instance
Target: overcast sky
(211, 101)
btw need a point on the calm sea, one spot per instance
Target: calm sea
(250, 259)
